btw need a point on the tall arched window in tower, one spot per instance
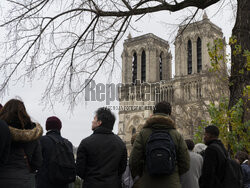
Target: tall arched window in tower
(189, 60)
(160, 66)
(133, 131)
(199, 60)
(134, 68)
(143, 66)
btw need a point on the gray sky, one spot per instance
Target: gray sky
(77, 124)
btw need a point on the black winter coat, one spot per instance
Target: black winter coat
(213, 166)
(101, 159)
(5, 141)
(47, 146)
(25, 157)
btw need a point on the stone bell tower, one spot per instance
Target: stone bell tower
(191, 51)
(195, 86)
(145, 59)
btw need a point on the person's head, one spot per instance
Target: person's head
(211, 133)
(241, 156)
(133, 139)
(14, 114)
(103, 117)
(162, 107)
(53, 123)
(190, 144)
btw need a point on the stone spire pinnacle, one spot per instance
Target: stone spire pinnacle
(129, 36)
(205, 16)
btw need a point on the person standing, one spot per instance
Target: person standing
(214, 161)
(242, 158)
(101, 157)
(159, 121)
(191, 178)
(49, 145)
(25, 155)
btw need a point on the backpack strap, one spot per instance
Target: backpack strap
(158, 131)
(61, 140)
(54, 139)
(161, 130)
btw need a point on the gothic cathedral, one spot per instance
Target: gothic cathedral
(147, 78)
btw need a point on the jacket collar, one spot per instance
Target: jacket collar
(53, 131)
(26, 135)
(102, 130)
(214, 141)
(160, 121)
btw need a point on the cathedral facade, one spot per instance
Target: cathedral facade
(147, 78)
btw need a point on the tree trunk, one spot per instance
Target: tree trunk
(240, 79)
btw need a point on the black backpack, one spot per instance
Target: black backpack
(160, 153)
(61, 166)
(233, 176)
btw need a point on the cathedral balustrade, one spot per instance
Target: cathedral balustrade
(192, 90)
(156, 92)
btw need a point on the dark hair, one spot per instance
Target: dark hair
(162, 107)
(190, 144)
(241, 156)
(1, 106)
(213, 130)
(106, 116)
(15, 114)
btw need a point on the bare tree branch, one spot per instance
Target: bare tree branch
(127, 4)
(70, 40)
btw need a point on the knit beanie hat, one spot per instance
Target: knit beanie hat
(53, 123)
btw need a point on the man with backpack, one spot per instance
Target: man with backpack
(159, 155)
(218, 169)
(101, 157)
(58, 169)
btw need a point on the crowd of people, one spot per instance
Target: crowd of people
(160, 157)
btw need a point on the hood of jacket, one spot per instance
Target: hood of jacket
(160, 121)
(26, 135)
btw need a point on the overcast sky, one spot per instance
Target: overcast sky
(76, 125)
